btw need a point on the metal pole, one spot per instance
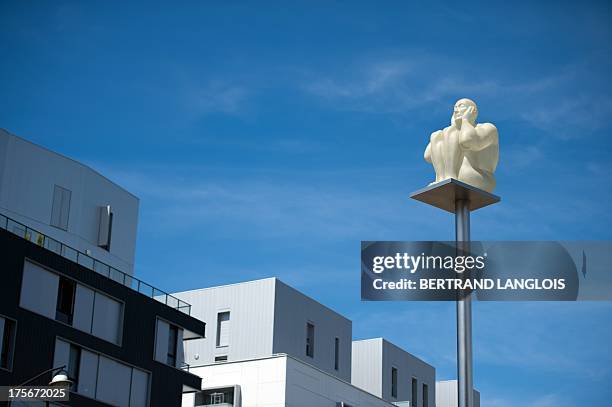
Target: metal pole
(464, 313)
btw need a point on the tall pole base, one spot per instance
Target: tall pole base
(464, 313)
(460, 198)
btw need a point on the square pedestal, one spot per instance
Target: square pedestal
(445, 193)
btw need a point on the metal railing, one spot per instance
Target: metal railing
(89, 262)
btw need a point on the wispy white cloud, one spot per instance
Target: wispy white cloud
(552, 102)
(264, 205)
(218, 96)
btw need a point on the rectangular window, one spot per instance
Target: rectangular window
(168, 344)
(73, 367)
(60, 209)
(106, 227)
(223, 328)
(65, 300)
(107, 318)
(310, 339)
(172, 344)
(102, 378)
(414, 396)
(60, 298)
(7, 342)
(113, 382)
(336, 353)
(39, 290)
(425, 395)
(394, 383)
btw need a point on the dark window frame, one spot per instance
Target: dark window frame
(66, 293)
(173, 331)
(394, 374)
(9, 341)
(310, 339)
(336, 353)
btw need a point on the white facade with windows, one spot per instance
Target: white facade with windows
(260, 318)
(393, 374)
(276, 381)
(67, 201)
(274, 346)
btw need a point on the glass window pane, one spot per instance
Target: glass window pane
(114, 380)
(107, 318)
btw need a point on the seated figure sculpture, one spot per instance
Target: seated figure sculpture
(465, 151)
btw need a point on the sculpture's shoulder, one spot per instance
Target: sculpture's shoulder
(486, 128)
(436, 135)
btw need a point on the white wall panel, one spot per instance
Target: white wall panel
(27, 195)
(282, 381)
(292, 312)
(251, 307)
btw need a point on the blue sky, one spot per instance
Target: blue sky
(269, 139)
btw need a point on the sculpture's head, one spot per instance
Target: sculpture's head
(462, 107)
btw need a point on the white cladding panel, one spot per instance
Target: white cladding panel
(262, 382)
(251, 307)
(283, 381)
(28, 176)
(39, 290)
(447, 396)
(267, 317)
(292, 312)
(388, 356)
(308, 386)
(366, 367)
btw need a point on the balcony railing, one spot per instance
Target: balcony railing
(89, 262)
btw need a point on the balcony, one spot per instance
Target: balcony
(89, 262)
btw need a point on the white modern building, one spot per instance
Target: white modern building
(391, 373)
(274, 346)
(69, 300)
(261, 318)
(276, 381)
(67, 201)
(447, 394)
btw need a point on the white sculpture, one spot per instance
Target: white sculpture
(465, 151)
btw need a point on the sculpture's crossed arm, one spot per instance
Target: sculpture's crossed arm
(476, 138)
(427, 154)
